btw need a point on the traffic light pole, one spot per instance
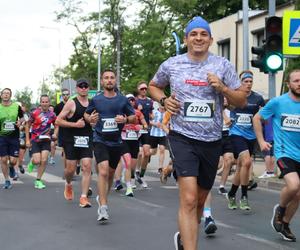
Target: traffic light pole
(272, 79)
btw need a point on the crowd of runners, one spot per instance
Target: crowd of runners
(211, 121)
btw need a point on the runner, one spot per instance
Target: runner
(285, 113)
(40, 139)
(145, 104)
(77, 142)
(243, 138)
(110, 111)
(196, 105)
(10, 118)
(158, 136)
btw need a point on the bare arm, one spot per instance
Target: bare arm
(258, 128)
(170, 103)
(68, 109)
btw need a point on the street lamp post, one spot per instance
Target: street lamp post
(99, 48)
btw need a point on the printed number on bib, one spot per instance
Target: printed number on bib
(244, 119)
(290, 122)
(81, 141)
(9, 126)
(196, 111)
(131, 135)
(109, 125)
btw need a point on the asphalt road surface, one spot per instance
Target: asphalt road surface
(43, 219)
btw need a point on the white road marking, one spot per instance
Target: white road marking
(13, 182)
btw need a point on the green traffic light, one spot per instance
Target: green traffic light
(274, 62)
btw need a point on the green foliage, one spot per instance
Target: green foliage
(24, 96)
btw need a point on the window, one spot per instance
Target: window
(258, 37)
(224, 48)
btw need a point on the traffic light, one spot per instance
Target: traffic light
(273, 44)
(259, 62)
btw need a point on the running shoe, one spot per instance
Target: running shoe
(7, 184)
(84, 202)
(38, 184)
(210, 225)
(103, 214)
(129, 192)
(286, 233)
(222, 191)
(144, 183)
(244, 205)
(252, 185)
(12, 171)
(118, 186)
(30, 167)
(177, 241)
(165, 173)
(138, 178)
(231, 202)
(22, 170)
(90, 192)
(16, 177)
(267, 175)
(68, 192)
(276, 221)
(133, 185)
(51, 161)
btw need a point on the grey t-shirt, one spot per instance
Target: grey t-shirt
(200, 115)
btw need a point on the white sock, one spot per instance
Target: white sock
(128, 184)
(207, 212)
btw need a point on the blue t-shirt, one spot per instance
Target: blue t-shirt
(242, 118)
(147, 105)
(285, 113)
(107, 130)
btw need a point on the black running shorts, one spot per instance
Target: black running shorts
(241, 144)
(77, 153)
(111, 154)
(195, 158)
(288, 165)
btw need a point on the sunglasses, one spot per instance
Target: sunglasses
(83, 86)
(143, 88)
(65, 94)
(132, 100)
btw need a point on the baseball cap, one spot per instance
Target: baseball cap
(197, 22)
(81, 81)
(130, 96)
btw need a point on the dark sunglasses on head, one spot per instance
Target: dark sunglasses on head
(83, 85)
(143, 88)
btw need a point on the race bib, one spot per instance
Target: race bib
(44, 137)
(81, 141)
(244, 119)
(109, 125)
(8, 126)
(290, 122)
(131, 135)
(195, 111)
(143, 131)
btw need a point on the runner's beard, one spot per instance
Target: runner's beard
(295, 93)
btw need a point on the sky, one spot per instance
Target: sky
(29, 52)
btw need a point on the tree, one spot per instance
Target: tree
(24, 96)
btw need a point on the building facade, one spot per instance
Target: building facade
(228, 42)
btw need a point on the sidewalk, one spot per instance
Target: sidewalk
(258, 169)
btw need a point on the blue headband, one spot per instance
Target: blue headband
(246, 75)
(197, 22)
